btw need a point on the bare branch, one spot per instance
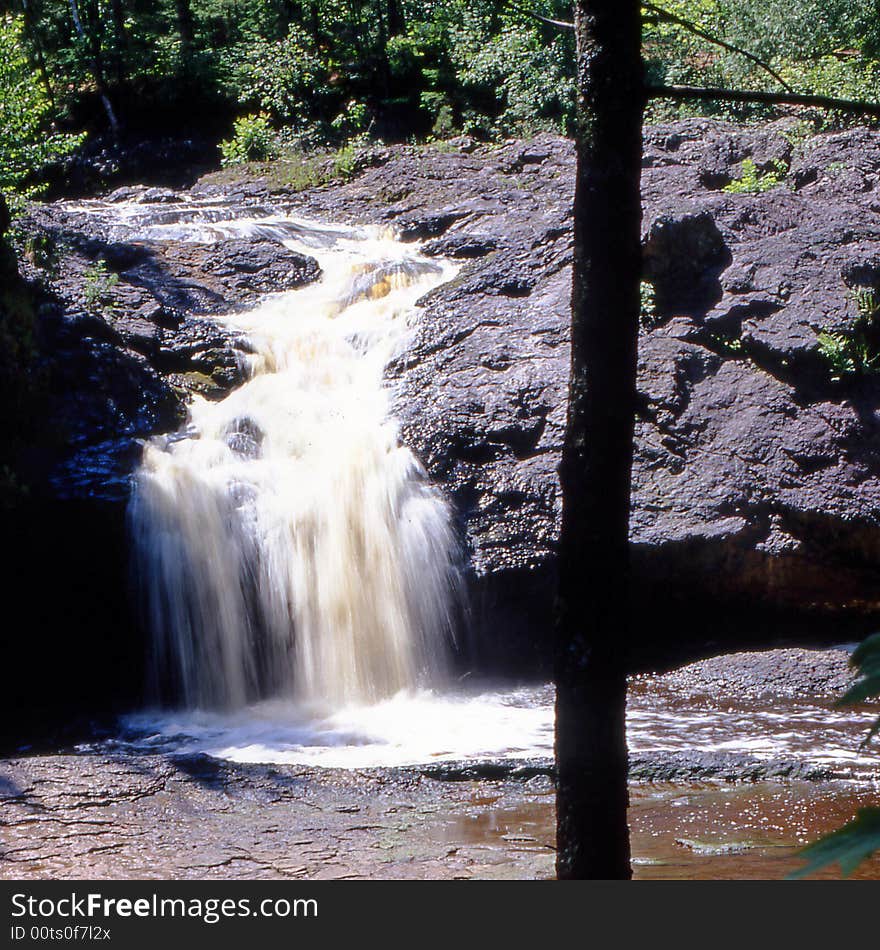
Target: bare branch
(691, 27)
(547, 21)
(685, 93)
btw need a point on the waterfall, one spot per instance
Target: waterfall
(285, 543)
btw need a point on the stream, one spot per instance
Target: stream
(301, 579)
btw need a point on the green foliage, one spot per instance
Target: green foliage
(99, 284)
(40, 250)
(648, 305)
(826, 47)
(352, 120)
(798, 133)
(858, 840)
(528, 78)
(253, 140)
(848, 846)
(856, 351)
(751, 181)
(866, 659)
(328, 71)
(284, 79)
(345, 162)
(27, 137)
(727, 344)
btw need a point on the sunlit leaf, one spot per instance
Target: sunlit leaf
(848, 846)
(866, 659)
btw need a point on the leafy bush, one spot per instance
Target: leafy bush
(27, 137)
(525, 85)
(253, 140)
(750, 181)
(345, 162)
(826, 47)
(284, 79)
(647, 305)
(352, 120)
(99, 284)
(855, 352)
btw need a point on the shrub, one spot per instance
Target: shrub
(99, 284)
(647, 305)
(345, 162)
(253, 140)
(27, 138)
(750, 181)
(283, 79)
(856, 351)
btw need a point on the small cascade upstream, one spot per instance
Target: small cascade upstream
(287, 546)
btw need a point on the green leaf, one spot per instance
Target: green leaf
(848, 846)
(866, 659)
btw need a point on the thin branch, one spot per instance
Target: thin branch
(683, 93)
(692, 27)
(558, 24)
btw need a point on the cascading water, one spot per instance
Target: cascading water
(286, 544)
(300, 572)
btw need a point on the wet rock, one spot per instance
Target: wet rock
(684, 253)
(107, 162)
(768, 675)
(233, 272)
(245, 438)
(757, 476)
(128, 332)
(684, 767)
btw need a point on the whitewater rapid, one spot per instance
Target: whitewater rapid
(287, 545)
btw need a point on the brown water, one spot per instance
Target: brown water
(710, 832)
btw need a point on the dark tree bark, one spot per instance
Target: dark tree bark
(92, 42)
(590, 667)
(185, 28)
(396, 24)
(704, 93)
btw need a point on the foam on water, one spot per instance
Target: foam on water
(287, 545)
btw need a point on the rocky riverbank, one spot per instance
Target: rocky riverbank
(757, 478)
(111, 809)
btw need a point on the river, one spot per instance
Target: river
(302, 582)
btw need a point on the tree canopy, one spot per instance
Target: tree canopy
(321, 72)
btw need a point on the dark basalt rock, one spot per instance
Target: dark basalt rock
(757, 476)
(679, 768)
(756, 487)
(128, 333)
(768, 675)
(683, 767)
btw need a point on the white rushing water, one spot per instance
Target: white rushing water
(288, 547)
(300, 573)
(482, 722)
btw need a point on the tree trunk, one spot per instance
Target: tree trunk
(590, 662)
(396, 24)
(185, 29)
(92, 43)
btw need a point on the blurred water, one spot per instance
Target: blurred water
(287, 545)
